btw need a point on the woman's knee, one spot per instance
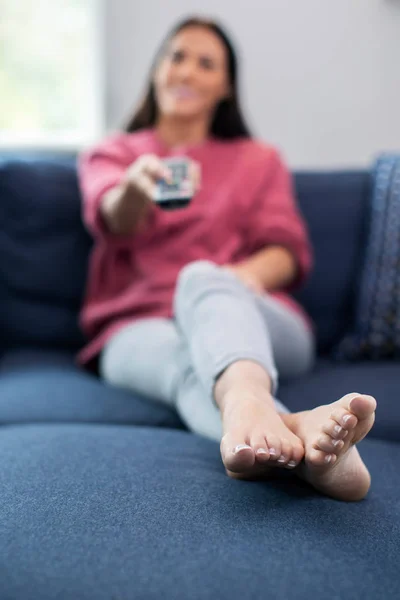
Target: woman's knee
(200, 277)
(196, 272)
(192, 279)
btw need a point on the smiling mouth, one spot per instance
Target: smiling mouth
(184, 93)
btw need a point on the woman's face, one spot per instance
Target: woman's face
(192, 77)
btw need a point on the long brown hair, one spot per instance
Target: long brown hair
(228, 121)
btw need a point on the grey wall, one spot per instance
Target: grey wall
(320, 78)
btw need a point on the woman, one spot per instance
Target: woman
(191, 307)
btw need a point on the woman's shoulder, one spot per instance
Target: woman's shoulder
(121, 142)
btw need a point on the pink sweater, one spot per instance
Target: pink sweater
(245, 203)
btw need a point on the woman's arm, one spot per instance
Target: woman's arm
(117, 187)
(279, 254)
(121, 210)
(269, 269)
(100, 172)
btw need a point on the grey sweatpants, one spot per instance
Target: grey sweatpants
(217, 322)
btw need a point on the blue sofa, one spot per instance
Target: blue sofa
(105, 496)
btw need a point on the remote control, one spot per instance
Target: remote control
(179, 192)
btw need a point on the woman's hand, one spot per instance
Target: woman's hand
(147, 170)
(143, 174)
(126, 207)
(140, 182)
(247, 278)
(269, 269)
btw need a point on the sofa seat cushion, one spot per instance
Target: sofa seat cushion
(329, 381)
(95, 513)
(40, 386)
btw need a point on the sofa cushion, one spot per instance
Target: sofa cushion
(329, 381)
(335, 206)
(47, 387)
(97, 513)
(376, 331)
(43, 250)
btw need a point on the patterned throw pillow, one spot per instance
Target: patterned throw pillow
(377, 323)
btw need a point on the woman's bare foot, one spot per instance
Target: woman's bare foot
(332, 463)
(255, 437)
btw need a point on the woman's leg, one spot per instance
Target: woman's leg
(231, 348)
(221, 322)
(142, 358)
(292, 340)
(150, 358)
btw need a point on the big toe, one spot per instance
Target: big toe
(360, 405)
(355, 413)
(237, 455)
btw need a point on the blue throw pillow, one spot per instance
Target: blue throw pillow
(43, 253)
(377, 323)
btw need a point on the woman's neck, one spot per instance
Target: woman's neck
(174, 132)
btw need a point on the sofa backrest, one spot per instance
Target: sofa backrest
(336, 208)
(44, 251)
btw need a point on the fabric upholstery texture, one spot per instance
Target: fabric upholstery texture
(376, 333)
(101, 513)
(47, 387)
(44, 250)
(335, 206)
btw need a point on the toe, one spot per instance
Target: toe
(259, 445)
(334, 430)
(362, 406)
(286, 452)
(297, 455)
(327, 444)
(237, 456)
(318, 458)
(274, 447)
(344, 418)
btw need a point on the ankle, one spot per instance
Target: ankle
(244, 374)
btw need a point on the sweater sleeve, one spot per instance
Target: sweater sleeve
(99, 170)
(276, 219)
